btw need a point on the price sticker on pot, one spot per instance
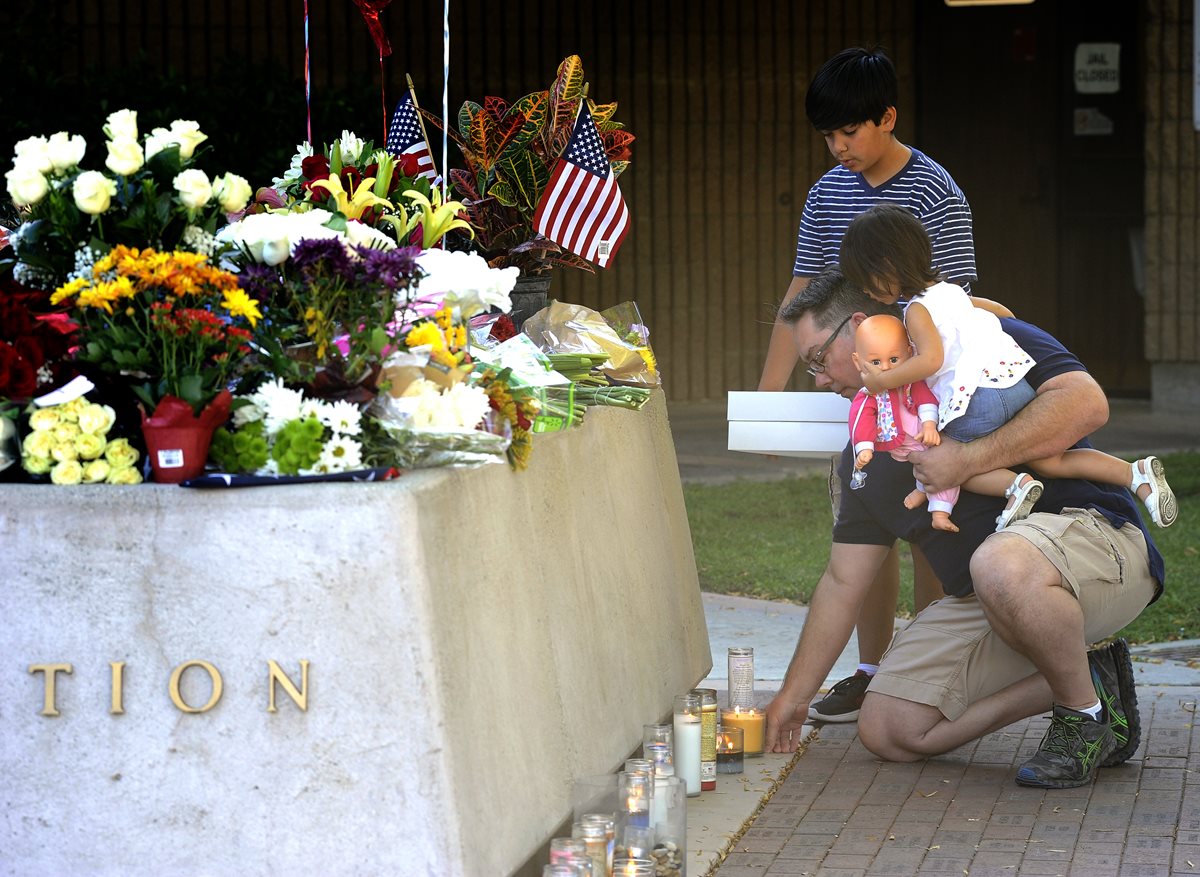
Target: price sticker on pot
(170, 458)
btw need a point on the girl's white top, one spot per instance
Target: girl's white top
(976, 351)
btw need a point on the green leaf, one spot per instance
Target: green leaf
(191, 389)
(535, 108)
(337, 222)
(618, 167)
(526, 173)
(165, 164)
(466, 116)
(503, 193)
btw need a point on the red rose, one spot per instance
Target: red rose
(408, 164)
(315, 167)
(18, 379)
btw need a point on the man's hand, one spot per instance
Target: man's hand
(942, 467)
(785, 719)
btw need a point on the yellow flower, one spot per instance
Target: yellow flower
(120, 454)
(96, 419)
(66, 432)
(67, 472)
(352, 206)
(44, 419)
(124, 475)
(38, 443)
(67, 290)
(89, 446)
(425, 334)
(36, 465)
(96, 471)
(239, 304)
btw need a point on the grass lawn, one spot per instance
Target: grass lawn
(771, 540)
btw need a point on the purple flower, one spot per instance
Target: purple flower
(260, 282)
(322, 257)
(394, 269)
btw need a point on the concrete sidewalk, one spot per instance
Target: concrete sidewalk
(837, 810)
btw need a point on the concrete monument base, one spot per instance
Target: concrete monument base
(473, 640)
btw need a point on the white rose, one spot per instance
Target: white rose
(97, 419)
(187, 135)
(194, 188)
(93, 192)
(275, 252)
(156, 141)
(35, 152)
(351, 147)
(121, 125)
(124, 157)
(66, 150)
(26, 184)
(233, 192)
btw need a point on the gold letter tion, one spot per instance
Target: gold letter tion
(275, 674)
(51, 670)
(214, 676)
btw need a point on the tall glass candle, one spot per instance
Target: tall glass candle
(741, 678)
(657, 746)
(686, 734)
(708, 738)
(634, 790)
(753, 724)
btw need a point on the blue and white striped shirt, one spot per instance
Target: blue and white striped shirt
(923, 186)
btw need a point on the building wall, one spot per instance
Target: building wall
(1172, 208)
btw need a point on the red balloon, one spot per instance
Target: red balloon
(370, 10)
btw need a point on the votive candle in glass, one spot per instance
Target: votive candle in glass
(634, 789)
(657, 746)
(629, 867)
(754, 727)
(569, 851)
(730, 750)
(686, 734)
(605, 825)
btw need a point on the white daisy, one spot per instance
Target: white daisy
(279, 405)
(340, 454)
(344, 418)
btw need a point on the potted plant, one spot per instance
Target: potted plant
(178, 329)
(510, 151)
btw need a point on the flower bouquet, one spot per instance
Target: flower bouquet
(70, 443)
(278, 431)
(366, 185)
(32, 340)
(179, 329)
(151, 196)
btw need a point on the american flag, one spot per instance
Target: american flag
(406, 138)
(581, 207)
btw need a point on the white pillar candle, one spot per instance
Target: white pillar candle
(687, 752)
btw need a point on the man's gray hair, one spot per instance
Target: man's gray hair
(830, 298)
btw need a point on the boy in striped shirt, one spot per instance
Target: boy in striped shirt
(852, 102)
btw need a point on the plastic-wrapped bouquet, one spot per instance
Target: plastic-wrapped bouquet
(279, 431)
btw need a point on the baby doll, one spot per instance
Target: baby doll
(899, 421)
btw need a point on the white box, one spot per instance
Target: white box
(788, 424)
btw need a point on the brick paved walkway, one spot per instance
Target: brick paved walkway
(842, 813)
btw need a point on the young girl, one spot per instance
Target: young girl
(973, 366)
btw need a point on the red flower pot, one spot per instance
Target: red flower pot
(177, 440)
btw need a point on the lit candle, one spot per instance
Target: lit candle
(753, 724)
(729, 750)
(635, 796)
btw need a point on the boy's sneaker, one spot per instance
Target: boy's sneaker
(1075, 745)
(844, 700)
(1112, 674)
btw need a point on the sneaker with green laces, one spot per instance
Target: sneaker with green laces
(1112, 674)
(1075, 745)
(844, 700)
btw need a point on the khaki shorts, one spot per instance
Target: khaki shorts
(949, 657)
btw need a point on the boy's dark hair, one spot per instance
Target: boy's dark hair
(888, 243)
(830, 297)
(854, 86)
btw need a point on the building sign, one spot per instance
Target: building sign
(1098, 68)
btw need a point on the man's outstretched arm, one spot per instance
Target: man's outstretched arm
(832, 613)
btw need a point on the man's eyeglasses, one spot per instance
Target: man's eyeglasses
(817, 365)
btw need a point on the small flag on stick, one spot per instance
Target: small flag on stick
(581, 208)
(406, 136)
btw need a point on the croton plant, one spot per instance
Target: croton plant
(510, 150)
